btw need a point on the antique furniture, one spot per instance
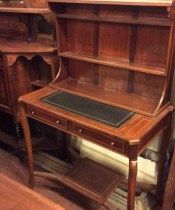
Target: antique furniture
(17, 4)
(24, 198)
(113, 87)
(28, 55)
(170, 187)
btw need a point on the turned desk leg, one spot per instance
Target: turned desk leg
(162, 158)
(132, 183)
(27, 138)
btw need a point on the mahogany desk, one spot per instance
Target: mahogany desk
(118, 54)
(129, 140)
(16, 196)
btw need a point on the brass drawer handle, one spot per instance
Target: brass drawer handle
(112, 143)
(58, 122)
(80, 131)
(33, 113)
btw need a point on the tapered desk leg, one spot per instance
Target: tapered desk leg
(27, 138)
(162, 158)
(169, 195)
(132, 183)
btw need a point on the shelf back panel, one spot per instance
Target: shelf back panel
(134, 39)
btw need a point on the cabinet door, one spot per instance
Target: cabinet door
(3, 89)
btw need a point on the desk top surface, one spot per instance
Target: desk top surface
(17, 196)
(131, 132)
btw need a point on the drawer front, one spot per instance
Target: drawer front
(98, 137)
(45, 117)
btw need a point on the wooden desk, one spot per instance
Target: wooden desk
(119, 56)
(16, 196)
(129, 140)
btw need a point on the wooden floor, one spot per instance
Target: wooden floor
(69, 199)
(17, 196)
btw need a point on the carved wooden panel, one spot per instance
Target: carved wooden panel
(13, 26)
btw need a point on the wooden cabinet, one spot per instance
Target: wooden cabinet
(28, 56)
(115, 54)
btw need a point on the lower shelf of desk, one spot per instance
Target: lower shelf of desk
(88, 178)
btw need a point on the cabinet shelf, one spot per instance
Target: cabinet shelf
(137, 21)
(119, 99)
(114, 63)
(18, 46)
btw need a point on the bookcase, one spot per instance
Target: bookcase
(123, 52)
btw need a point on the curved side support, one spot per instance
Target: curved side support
(62, 74)
(170, 57)
(162, 98)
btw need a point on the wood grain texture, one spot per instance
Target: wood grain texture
(24, 198)
(111, 54)
(158, 3)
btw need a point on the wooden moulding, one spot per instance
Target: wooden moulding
(89, 178)
(24, 10)
(141, 21)
(158, 3)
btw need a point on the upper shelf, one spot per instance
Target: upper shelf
(140, 21)
(17, 46)
(115, 63)
(24, 10)
(159, 3)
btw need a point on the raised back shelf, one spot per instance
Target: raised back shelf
(120, 99)
(115, 54)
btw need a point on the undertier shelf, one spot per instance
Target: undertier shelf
(89, 178)
(132, 102)
(115, 63)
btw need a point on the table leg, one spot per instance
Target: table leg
(169, 195)
(162, 158)
(132, 183)
(28, 142)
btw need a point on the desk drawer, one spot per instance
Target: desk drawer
(110, 142)
(47, 118)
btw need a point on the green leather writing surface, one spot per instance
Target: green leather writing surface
(89, 108)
